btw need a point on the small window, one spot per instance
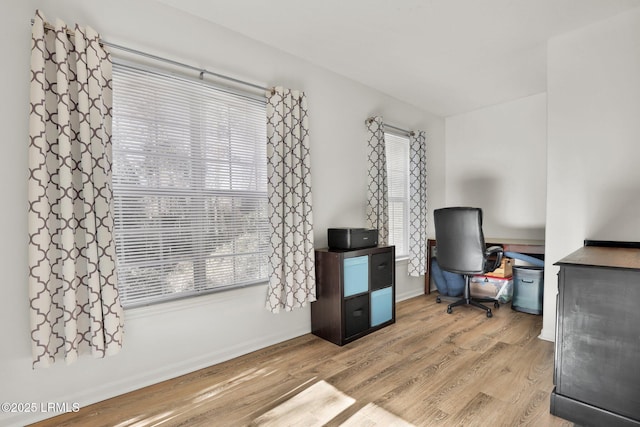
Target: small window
(397, 151)
(189, 186)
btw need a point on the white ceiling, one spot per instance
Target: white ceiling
(445, 56)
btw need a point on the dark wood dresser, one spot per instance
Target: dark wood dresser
(597, 349)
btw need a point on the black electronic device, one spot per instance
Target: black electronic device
(352, 238)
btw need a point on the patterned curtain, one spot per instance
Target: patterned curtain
(75, 307)
(292, 261)
(417, 204)
(377, 192)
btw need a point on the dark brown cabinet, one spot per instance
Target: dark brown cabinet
(597, 350)
(355, 293)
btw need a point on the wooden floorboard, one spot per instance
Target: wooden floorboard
(430, 368)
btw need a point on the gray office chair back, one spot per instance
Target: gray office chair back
(461, 249)
(460, 241)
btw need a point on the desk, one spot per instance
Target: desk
(523, 246)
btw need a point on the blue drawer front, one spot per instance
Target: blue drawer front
(381, 306)
(356, 275)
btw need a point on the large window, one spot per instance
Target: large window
(189, 183)
(397, 151)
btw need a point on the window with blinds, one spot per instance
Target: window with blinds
(189, 185)
(397, 151)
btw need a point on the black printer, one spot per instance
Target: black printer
(352, 238)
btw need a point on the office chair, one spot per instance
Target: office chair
(461, 249)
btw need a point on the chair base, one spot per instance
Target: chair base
(468, 300)
(475, 303)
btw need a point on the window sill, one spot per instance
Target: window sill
(192, 301)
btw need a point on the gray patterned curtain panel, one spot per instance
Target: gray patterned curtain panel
(75, 307)
(417, 204)
(377, 193)
(291, 258)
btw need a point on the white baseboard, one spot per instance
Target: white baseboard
(547, 336)
(409, 294)
(106, 391)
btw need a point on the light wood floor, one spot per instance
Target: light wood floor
(430, 368)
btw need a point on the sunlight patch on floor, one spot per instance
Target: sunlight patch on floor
(312, 407)
(319, 404)
(372, 416)
(216, 389)
(143, 421)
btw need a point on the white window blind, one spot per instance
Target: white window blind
(189, 184)
(397, 151)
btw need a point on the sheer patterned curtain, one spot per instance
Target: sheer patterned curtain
(417, 203)
(377, 193)
(75, 306)
(291, 259)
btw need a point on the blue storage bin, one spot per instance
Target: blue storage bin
(381, 306)
(528, 289)
(356, 275)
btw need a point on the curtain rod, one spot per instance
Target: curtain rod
(201, 71)
(408, 132)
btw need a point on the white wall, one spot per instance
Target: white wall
(170, 339)
(496, 160)
(593, 186)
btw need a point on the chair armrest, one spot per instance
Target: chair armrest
(492, 265)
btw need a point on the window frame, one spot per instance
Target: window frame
(402, 251)
(199, 287)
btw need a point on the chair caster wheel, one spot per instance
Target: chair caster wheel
(438, 300)
(496, 304)
(449, 310)
(489, 313)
